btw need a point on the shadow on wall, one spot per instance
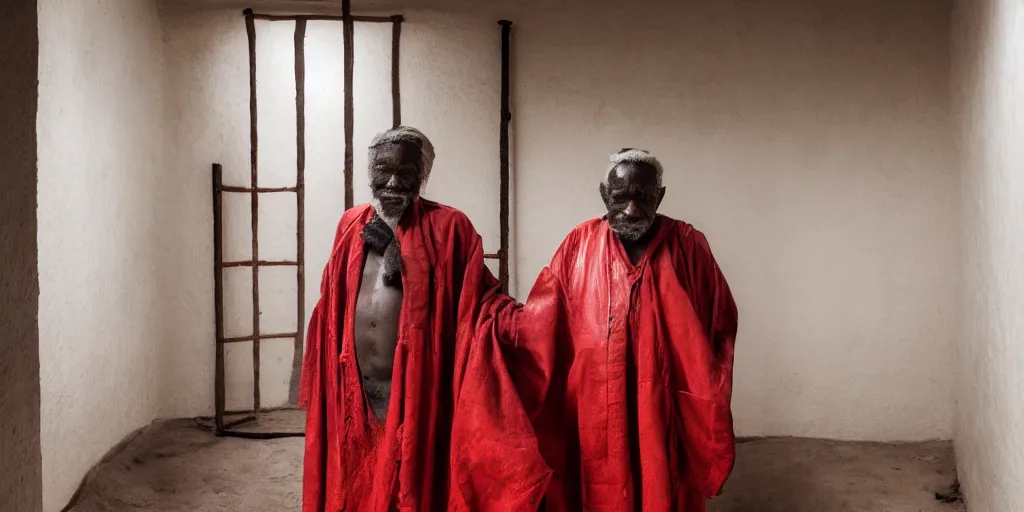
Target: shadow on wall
(21, 472)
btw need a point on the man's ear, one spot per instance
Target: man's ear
(603, 187)
(661, 195)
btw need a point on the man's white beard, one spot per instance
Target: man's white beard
(632, 231)
(391, 220)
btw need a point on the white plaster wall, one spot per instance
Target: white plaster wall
(811, 142)
(208, 121)
(103, 294)
(989, 87)
(196, 111)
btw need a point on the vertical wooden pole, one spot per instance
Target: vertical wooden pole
(348, 33)
(396, 93)
(506, 116)
(250, 29)
(300, 204)
(218, 299)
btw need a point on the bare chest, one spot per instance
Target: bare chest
(377, 312)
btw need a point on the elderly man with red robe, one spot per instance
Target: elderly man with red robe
(409, 404)
(623, 356)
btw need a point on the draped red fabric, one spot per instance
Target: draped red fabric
(456, 436)
(626, 371)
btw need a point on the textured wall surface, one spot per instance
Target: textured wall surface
(811, 143)
(198, 103)
(450, 69)
(989, 92)
(20, 459)
(104, 293)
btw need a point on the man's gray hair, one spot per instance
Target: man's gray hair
(635, 156)
(407, 135)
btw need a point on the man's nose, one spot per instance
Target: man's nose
(393, 181)
(631, 209)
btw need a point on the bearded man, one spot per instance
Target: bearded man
(623, 356)
(409, 405)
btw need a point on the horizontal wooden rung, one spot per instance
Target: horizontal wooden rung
(235, 412)
(494, 256)
(276, 336)
(259, 190)
(260, 263)
(239, 421)
(326, 17)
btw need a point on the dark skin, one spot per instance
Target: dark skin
(395, 178)
(632, 197)
(395, 181)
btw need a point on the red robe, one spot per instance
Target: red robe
(627, 371)
(456, 436)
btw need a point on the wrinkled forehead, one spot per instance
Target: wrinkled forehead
(396, 154)
(633, 174)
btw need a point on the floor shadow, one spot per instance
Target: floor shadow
(794, 475)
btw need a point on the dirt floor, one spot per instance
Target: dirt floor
(787, 475)
(180, 466)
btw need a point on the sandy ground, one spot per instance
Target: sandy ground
(178, 466)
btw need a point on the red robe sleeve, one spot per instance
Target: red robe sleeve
(311, 399)
(539, 348)
(495, 461)
(312, 357)
(314, 371)
(538, 353)
(309, 379)
(712, 301)
(715, 308)
(533, 351)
